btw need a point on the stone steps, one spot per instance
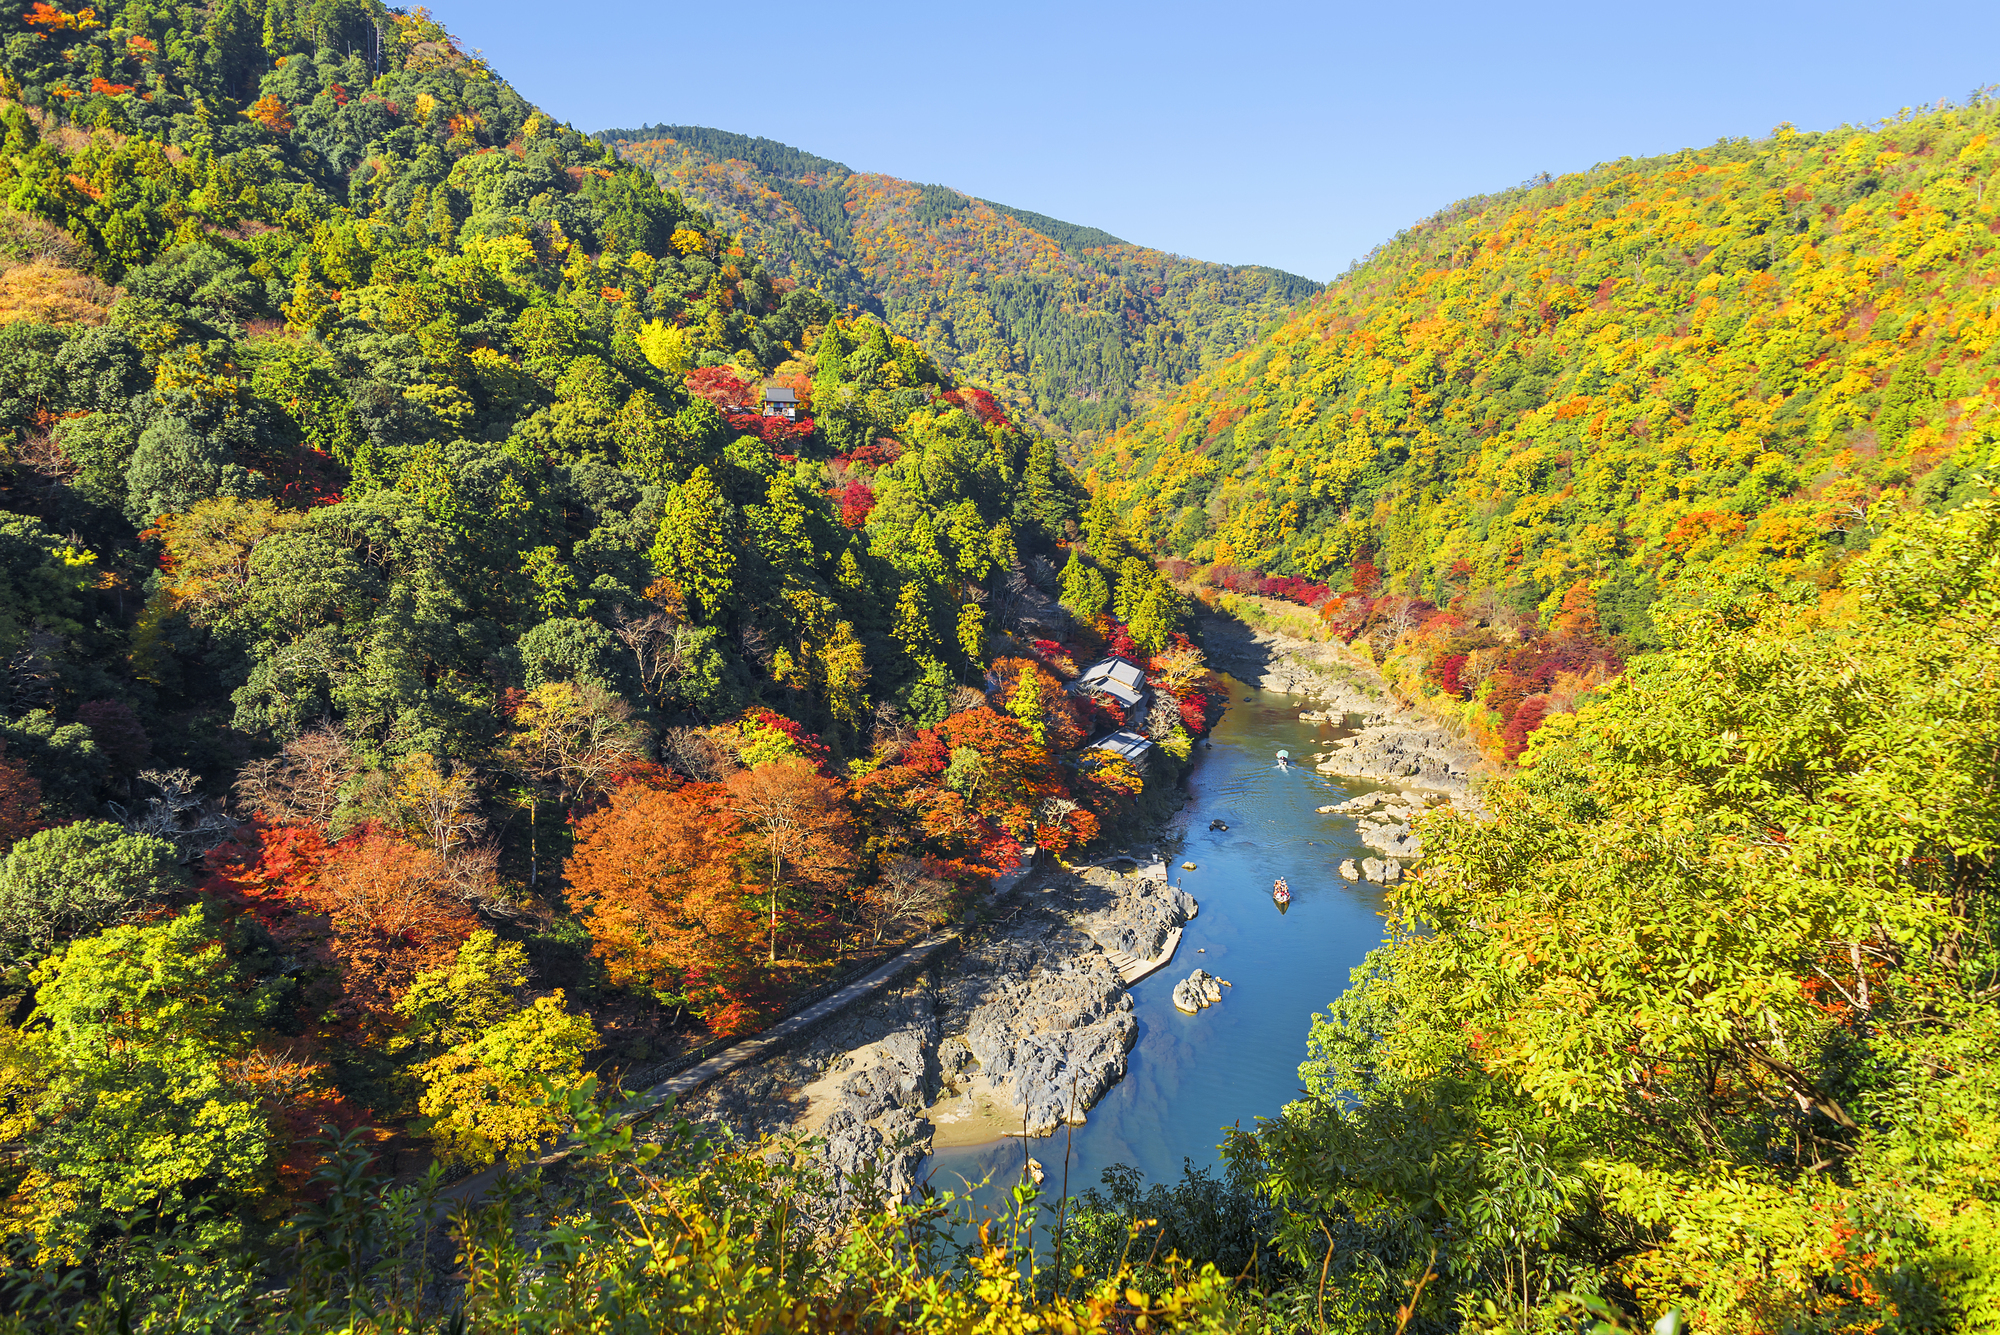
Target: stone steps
(1131, 968)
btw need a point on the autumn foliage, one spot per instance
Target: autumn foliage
(20, 802)
(377, 909)
(654, 877)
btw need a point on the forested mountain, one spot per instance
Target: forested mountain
(1672, 482)
(473, 628)
(1066, 323)
(1535, 409)
(430, 669)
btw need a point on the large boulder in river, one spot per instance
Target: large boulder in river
(1200, 988)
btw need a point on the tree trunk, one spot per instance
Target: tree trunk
(775, 864)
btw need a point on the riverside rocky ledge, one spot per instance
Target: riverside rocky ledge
(1017, 1034)
(1392, 745)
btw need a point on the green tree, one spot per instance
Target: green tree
(1026, 705)
(101, 444)
(1084, 592)
(1748, 975)
(1049, 491)
(173, 466)
(696, 545)
(1154, 617)
(972, 631)
(77, 878)
(131, 1039)
(42, 579)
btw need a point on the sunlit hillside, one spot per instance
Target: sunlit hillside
(1067, 322)
(1723, 355)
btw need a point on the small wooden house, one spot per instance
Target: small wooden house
(780, 401)
(1120, 680)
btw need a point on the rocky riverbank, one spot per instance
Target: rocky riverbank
(1022, 1030)
(1418, 763)
(1391, 744)
(1030, 1023)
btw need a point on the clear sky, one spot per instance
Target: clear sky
(1272, 133)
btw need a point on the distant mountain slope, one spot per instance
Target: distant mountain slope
(1069, 322)
(1720, 355)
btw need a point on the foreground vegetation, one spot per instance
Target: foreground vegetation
(1690, 1026)
(1704, 1017)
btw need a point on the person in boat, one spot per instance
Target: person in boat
(1279, 890)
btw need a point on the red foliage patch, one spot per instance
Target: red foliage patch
(878, 452)
(720, 385)
(20, 802)
(769, 428)
(980, 404)
(857, 500)
(303, 477)
(810, 746)
(1443, 674)
(1527, 718)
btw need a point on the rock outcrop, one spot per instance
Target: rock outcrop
(1128, 912)
(1046, 1020)
(1317, 671)
(1413, 755)
(1031, 1023)
(1198, 990)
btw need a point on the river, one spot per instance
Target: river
(1190, 1076)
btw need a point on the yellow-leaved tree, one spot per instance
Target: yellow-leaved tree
(483, 1097)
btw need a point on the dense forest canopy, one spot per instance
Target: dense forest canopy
(1067, 324)
(1514, 424)
(440, 659)
(1718, 356)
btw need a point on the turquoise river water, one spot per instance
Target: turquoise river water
(1190, 1076)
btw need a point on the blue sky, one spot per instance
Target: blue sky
(1271, 133)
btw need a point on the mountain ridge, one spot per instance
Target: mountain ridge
(1065, 322)
(1371, 386)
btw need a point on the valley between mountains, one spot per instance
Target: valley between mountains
(493, 612)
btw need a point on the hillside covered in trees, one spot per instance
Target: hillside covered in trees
(1066, 324)
(1673, 482)
(435, 664)
(1490, 446)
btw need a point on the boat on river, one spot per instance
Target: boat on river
(1280, 891)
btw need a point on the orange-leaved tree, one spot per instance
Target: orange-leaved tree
(380, 909)
(653, 875)
(20, 801)
(802, 826)
(1016, 776)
